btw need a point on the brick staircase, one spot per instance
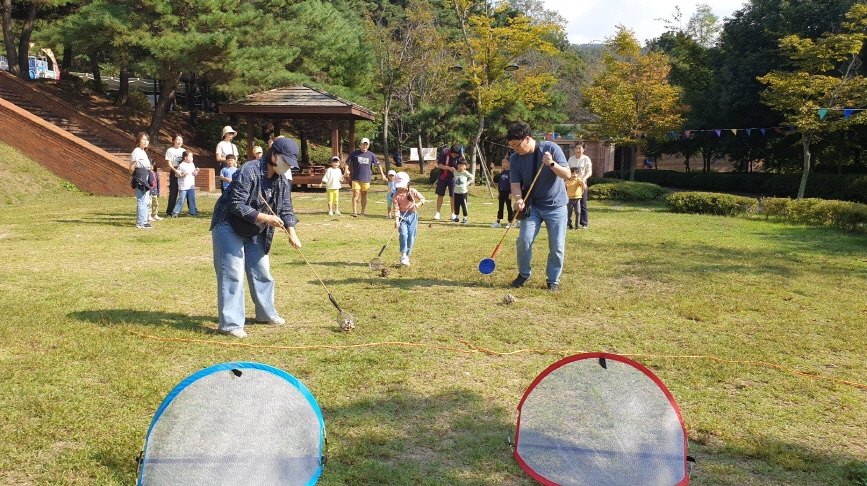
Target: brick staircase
(64, 140)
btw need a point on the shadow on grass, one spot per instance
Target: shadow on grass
(116, 317)
(455, 436)
(396, 281)
(770, 461)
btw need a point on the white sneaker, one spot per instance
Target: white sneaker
(404, 259)
(508, 225)
(517, 224)
(498, 225)
(331, 213)
(237, 333)
(158, 218)
(151, 219)
(274, 321)
(454, 216)
(337, 213)
(437, 215)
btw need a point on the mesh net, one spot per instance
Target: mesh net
(256, 428)
(583, 424)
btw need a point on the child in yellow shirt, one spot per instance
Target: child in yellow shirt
(574, 190)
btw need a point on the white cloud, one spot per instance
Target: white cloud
(594, 20)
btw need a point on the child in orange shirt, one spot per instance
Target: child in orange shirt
(406, 201)
(574, 190)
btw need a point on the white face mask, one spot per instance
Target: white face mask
(282, 166)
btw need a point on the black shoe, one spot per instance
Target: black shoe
(519, 281)
(569, 226)
(552, 287)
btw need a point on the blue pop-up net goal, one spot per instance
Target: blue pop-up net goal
(600, 419)
(235, 424)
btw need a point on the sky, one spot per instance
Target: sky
(594, 20)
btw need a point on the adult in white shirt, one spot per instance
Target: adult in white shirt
(226, 147)
(140, 168)
(174, 156)
(585, 167)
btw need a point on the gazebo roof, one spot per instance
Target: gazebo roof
(301, 101)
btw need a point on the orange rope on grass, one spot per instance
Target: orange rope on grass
(480, 350)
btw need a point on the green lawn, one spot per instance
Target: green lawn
(79, 389)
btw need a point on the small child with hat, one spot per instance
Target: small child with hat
(331, 180)
(389, 198)
(406, 202)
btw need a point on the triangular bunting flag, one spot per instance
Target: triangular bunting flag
(778, 129)
(718, 133)
(735, 131)
(749, 130)
(763, 130)
(687, 133)
(791, 129)
(822, 113)
(847, 113)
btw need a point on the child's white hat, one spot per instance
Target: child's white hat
(401, 179)
(391, 172)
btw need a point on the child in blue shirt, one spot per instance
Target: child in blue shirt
(228, 171)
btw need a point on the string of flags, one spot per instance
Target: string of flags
(687, 134)
(847, 112)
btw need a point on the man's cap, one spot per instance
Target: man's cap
(289, 150)
(364, 140)
(401, 179)
(228, 129)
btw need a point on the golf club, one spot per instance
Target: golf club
(376, 263)
(344, 319)
(487, 266)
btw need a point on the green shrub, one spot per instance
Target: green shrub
(628, 191)
(139, 102)
(592, 181)
(843, 215)
(775, 206)
(710, 203)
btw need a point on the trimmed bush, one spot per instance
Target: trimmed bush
(592, 181)
(627, 191)
(843, 215)
(710, 203)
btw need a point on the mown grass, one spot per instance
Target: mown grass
(79, 390)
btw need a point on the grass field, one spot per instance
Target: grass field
(79, 388)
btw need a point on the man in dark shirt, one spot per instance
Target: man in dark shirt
(360, 165)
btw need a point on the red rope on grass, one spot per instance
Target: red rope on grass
(478, 349)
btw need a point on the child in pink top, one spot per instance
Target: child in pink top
(406, 201)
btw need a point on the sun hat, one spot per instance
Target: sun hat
(228, 129)
(365, 141)
(335, 158)
(401, 179)
(289, 150)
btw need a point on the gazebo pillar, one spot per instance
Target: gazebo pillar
(250, 130)
(305, 155)
(277, 122)
(335, 137)
(352, 146)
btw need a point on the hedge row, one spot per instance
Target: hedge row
(843, 215)
(842, 187)
(627, 191)
(710, 203)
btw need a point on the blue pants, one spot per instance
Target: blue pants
(143, 202)
(555, 221)
(233, 257)
(407, 230)
(190, 196)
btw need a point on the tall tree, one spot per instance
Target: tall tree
(632, 96)
(824, 78)
(19, 62)
(491, 45)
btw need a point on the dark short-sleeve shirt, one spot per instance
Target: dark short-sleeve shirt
(549, 191)
(505, 181)
(361, 165)
(450, 160)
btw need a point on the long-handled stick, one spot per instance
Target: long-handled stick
(488, 265)
(330, 297)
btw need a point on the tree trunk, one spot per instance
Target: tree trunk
(97, 76)
(633, 154)
(24, 43)
(805, 142)
(476, 143)
(385, 137)
(167, 93)
(420, 156)
(66, 62)
(123, 90)
(9, 38)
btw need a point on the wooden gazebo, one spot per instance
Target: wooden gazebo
(299, 102)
